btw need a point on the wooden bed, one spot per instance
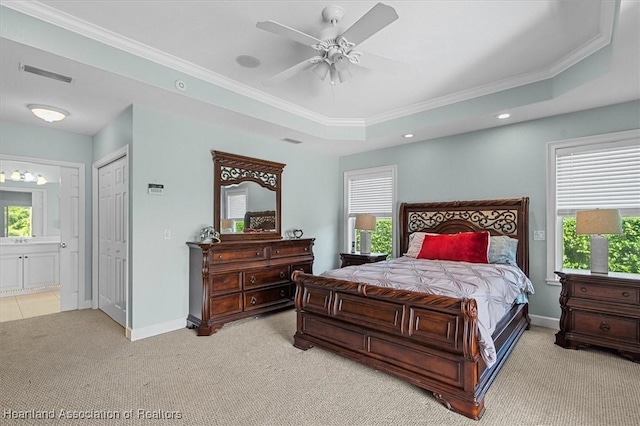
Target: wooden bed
(428, 340)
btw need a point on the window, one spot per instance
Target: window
(236, 207)
(370, 191)
(16, 213)
(590, 173)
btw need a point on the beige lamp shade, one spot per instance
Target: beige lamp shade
(600, 221)
(226, 223)
(366, 222)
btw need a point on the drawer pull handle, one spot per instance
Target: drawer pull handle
(625, 294)
(252, 280)
(257, 253)
(282, 293)
(605, 327)
(306, 249)
(282, 274)
(253, 301)
(277, 251)
(583, 289)
(219, 256)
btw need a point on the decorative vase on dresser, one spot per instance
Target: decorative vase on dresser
(238, 279)
(600, 310)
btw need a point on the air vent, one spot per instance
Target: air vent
(293, 141)
(45, 73)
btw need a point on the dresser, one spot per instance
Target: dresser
(348, 259)
(601, 310)
(231, 280)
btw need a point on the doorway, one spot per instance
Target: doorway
(61, 224)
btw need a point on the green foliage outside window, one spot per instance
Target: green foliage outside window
(18, 221)
(381, 241)
(624, 249)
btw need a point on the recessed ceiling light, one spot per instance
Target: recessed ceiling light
(408, 135)
(248, 61)
(48, 113)
(503, 116)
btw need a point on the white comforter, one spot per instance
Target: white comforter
(494, 287)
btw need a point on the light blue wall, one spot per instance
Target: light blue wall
(176, 152)
(504, 162)
(114, 136)
(49, 144)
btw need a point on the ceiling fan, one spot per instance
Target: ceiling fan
(334, 47)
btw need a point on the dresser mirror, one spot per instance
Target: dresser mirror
(246, 195)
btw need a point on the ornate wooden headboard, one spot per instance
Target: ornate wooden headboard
(263, 220)
(508, 217)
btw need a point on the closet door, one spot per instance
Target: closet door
(113, 234)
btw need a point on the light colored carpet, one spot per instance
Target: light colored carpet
(250, 374)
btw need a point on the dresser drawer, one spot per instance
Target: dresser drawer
(269, 296)
(286, 250)
(266, 276)
(307, 268)
(256, 253)
(606, 326)
(225, 283)
(225, 305)
(603, 292)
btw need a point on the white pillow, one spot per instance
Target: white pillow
(415, 244)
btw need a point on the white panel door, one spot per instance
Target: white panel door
(70, 267)
(113, 206)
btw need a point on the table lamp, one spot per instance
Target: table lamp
(365, 223)
(595, 223)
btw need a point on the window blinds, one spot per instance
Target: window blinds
(236, 205)
(371, 194)
(603, 177)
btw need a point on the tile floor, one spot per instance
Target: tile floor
(29, 305)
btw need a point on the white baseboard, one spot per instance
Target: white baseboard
(553, 323)
(134, 334)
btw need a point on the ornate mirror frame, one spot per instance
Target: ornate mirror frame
(229, 169)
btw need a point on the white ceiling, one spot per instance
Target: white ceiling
(455, 52)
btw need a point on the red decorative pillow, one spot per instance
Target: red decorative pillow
(464, 246)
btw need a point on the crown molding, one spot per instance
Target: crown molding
(55, 17)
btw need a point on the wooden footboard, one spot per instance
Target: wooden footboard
(430, 341)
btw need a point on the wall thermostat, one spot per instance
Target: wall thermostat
(156, 189)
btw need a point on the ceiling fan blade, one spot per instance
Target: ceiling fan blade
(370, 23)
(380, 63)
(290, 33)
(292, 71)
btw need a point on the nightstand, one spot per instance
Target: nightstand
(348, 259)
(601, 310)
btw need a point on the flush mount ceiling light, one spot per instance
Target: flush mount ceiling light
(408, 135)
(48, 113)
(503, 116)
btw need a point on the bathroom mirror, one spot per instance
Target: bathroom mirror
(246, 195)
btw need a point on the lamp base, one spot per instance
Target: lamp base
(365, 242)
(599, 255)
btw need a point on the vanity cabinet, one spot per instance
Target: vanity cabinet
(28, 266)
(231, 280)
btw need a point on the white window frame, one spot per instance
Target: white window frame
(554, 225)
(349, 231)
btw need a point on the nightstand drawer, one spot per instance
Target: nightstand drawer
(606, 326)
(604, 292)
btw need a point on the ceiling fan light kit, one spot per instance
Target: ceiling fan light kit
(333, 47)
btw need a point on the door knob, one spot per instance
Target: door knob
(63, 245)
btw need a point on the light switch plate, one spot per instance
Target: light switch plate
(539, 235)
